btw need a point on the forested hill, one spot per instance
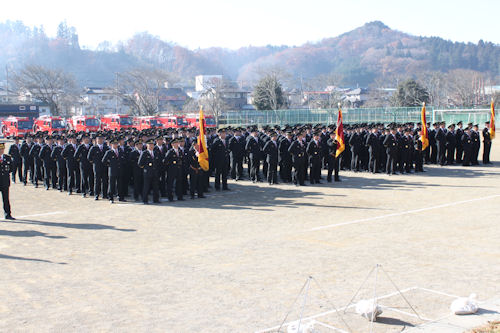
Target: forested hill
(359, 56)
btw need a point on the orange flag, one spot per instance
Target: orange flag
(202, 141)
(492, 120)
(339, 133)
(425, 134)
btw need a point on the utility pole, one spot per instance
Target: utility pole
(116, 92)
(7, 88)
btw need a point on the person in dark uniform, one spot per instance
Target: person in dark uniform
(86, 173)
(195, 171)
(27, 159)
(161, 149)
(114, 159)
(404, 143)
(237, 148)
(355, 142)
(6, 167)
(286, 157)
(314, 152)
(486, 143)
(271, 152)
(419, 153)
(150, 162)
(37, 162)
(173, 162)
(373, 144)
(391, 145)
(451, 144)
(254, 149)
(298, 151)
(62, 172)
(49, 165)
(220, 159)
(137, 172)
(125, 170)
(441, 144)
(433, 143)
(96, 153)
(15, 153)
(458, 140)
(68, 154)
(467, 147)
(476, 144)
(333, 161)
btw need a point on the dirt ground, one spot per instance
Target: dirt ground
(236, 261)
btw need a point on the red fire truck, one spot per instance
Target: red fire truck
(173, 121)
(193, 120)
(16, 126)
(83, 123)
(147, 122)
(49, 124)
(116, 122)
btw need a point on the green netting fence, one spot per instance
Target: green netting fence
(354, 115)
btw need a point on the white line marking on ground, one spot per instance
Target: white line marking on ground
(439, 292)
(402, 213)
(41, 214)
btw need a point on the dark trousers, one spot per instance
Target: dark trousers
(434, 153)
(373, 162)
(150, 183)
(138, 182)
(221, 171)
(419, 161)
(62, 176)
(486, 152)
(72, 180)
(38, 171)
(254, 169)
(100, 182)
(28, 167)
(236, 168)
(286, 170)
(86, 179)
(195, 182)
(18, 168)
(441, 154)
(315, 173)
(450, 154)
(5, 198)
(50, 175)
(299, 172)
(390, 167)
(467, 157)
(174, 175)
(272, 173)
(114, 184)
(333, 166)
(354, 161)
(163, 183)
(459, 154)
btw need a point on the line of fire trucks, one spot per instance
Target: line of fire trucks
(20, 126)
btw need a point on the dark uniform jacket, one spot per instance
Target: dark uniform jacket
(271, 151)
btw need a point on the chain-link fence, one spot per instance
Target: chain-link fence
(355, 115)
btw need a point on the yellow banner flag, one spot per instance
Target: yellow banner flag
(202, 141)
(339, 133)
(425, 134)
(492, 120)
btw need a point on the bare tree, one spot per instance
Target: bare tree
(212, 98)
(51, 86)
(463, 87)
(142, 89)
(436, 85)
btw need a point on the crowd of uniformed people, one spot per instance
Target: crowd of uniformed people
(164, 162)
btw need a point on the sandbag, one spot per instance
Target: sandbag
(464, 305)
(368, 309)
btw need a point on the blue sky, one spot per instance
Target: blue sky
(236, 23)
